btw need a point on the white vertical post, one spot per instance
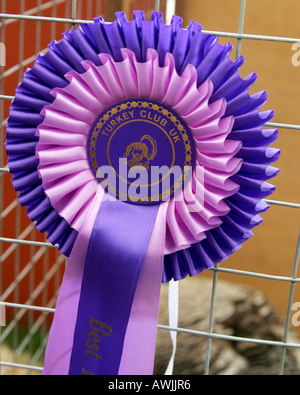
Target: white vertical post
(241, 27)
(2, 54)
(157, 5)
(170, 10)
(2, 315)
(2, 323)
(74, 12)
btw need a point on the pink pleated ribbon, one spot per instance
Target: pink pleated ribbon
(64, 168)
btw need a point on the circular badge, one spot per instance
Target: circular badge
(141, 151)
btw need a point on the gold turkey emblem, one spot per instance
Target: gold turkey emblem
(142, 152)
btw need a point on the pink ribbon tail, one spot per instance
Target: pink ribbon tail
(139, 345)
(59, 347)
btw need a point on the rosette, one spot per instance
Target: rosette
(137, 147)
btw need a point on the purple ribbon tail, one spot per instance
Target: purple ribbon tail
(115, 256)
(138, 348)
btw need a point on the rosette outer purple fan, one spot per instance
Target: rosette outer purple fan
(244, 152)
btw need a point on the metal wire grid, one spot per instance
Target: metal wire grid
(22, 237)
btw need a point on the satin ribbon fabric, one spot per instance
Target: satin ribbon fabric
(61, 336)
(50, 120)
(138, 347)
(115, 256)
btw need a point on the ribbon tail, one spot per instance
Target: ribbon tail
(115, 257)
(75, 333)
(139, 344)
(60, 343)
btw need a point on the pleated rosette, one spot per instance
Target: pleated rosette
(101, 64)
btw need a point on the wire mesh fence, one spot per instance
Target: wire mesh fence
(31, 269)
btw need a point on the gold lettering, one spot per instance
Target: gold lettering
(97, 356)
(92, 346)
(157, 118)
(109, 128)
(125, 116)
(163, 122)
(173, 133)
(96, 338)
(86, 373)
(97, 328)
(176, 138)
(131, 113)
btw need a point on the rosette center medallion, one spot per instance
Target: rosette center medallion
(141, 151)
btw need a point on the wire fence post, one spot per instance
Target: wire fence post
(157, 5)
(241, 27)
(2, 324)
(74, 13)
(211, 320)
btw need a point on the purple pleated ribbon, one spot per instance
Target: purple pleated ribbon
(89, 70)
